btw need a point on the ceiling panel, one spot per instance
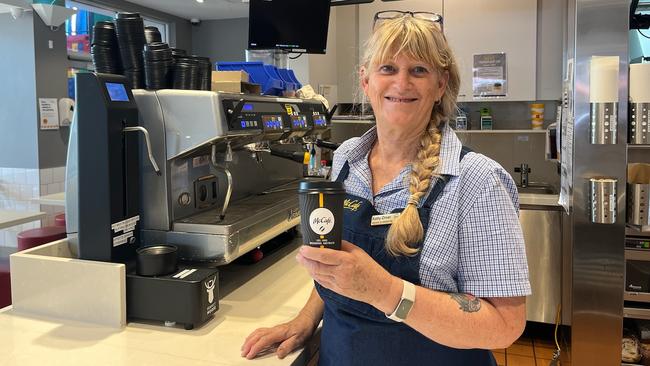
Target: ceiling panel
(209, 9)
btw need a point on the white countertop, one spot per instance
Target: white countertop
(260, 295)
(54, 199)
(10, 218)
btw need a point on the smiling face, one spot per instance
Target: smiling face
(402, 91)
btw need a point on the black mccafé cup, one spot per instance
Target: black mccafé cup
(321, 213)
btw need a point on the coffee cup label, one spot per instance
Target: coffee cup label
(321, 221)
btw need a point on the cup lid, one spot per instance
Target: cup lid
(321, 186)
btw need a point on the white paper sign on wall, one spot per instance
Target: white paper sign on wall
(49, 113)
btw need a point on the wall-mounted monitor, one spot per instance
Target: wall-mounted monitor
(294, 25)
(350, 2)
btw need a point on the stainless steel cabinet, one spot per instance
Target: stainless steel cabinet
(543, 235)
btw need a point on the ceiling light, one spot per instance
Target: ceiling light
(199, 1)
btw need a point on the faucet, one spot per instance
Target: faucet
(524, 170)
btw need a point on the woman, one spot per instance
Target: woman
(445, 281)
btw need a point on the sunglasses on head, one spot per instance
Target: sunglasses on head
(393, 14)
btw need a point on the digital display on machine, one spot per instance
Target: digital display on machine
(320, 121)
(272, 122)
(248, 124)
(117, 92)
(248, 107)
(299, 122)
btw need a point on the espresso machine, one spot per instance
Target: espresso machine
(104, 211)
(226, 183)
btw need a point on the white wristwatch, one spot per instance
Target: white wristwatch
(405, 303)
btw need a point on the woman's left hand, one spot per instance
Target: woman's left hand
(349, 272)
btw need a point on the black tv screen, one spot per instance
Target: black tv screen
(294, 25)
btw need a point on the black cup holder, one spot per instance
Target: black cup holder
(156, 260)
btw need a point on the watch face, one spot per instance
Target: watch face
(404, 308)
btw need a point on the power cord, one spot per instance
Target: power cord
(295, 57)
(556, 354)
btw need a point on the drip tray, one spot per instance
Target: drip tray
(249, 211)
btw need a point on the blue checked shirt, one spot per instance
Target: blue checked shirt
(474, 243)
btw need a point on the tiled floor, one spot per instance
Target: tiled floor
(534, 348)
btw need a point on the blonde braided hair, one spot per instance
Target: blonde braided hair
(421, 40)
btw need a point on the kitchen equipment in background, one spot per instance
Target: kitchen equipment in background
(524, 170)
(461, 120)
(639, 130)
(603, 99)
(222, 192)
(486, 118)
(104, 156)
(537, 116)
(603, 200)
(638, 194)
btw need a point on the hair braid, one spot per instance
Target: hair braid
(407, 229)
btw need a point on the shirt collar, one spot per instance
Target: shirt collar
(450, 148)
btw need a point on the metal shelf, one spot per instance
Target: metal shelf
(637, 254)
(637, 146)
(636, 296)
(636, 313)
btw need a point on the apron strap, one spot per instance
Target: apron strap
(343, 174)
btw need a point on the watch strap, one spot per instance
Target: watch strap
(405, 303)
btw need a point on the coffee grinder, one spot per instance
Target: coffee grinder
(103, 207)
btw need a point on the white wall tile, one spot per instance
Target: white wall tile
(8, 175)
(21, 176)
(32, 176)
(58, 175)
(46, 176)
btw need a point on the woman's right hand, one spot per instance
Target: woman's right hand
(289, 336)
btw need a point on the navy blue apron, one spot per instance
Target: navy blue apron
(355, 333)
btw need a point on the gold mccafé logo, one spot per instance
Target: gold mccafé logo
(352, 205)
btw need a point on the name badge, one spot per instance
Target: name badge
(387, 219)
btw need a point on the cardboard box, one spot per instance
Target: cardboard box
(218, 76)
(236, 87)
(233, 82)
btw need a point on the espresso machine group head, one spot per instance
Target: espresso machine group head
(103, 201)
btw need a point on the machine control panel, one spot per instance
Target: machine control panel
(319, 120)
(299, 123)
(277, 118)
(273, 122)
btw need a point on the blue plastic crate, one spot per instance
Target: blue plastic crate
(291, 85)
(270, 82)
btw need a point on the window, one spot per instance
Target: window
(79, 27)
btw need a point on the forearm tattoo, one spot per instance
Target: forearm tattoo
(468, 303)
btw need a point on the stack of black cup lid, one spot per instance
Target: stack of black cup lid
(157, 65)
(152, 34)
(205, 72)
(130, 36)
(105, 51)
(186, 73)
(177, 52)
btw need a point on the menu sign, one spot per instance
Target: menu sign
(490, 79)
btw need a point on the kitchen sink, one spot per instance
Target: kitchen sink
(537, 189)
